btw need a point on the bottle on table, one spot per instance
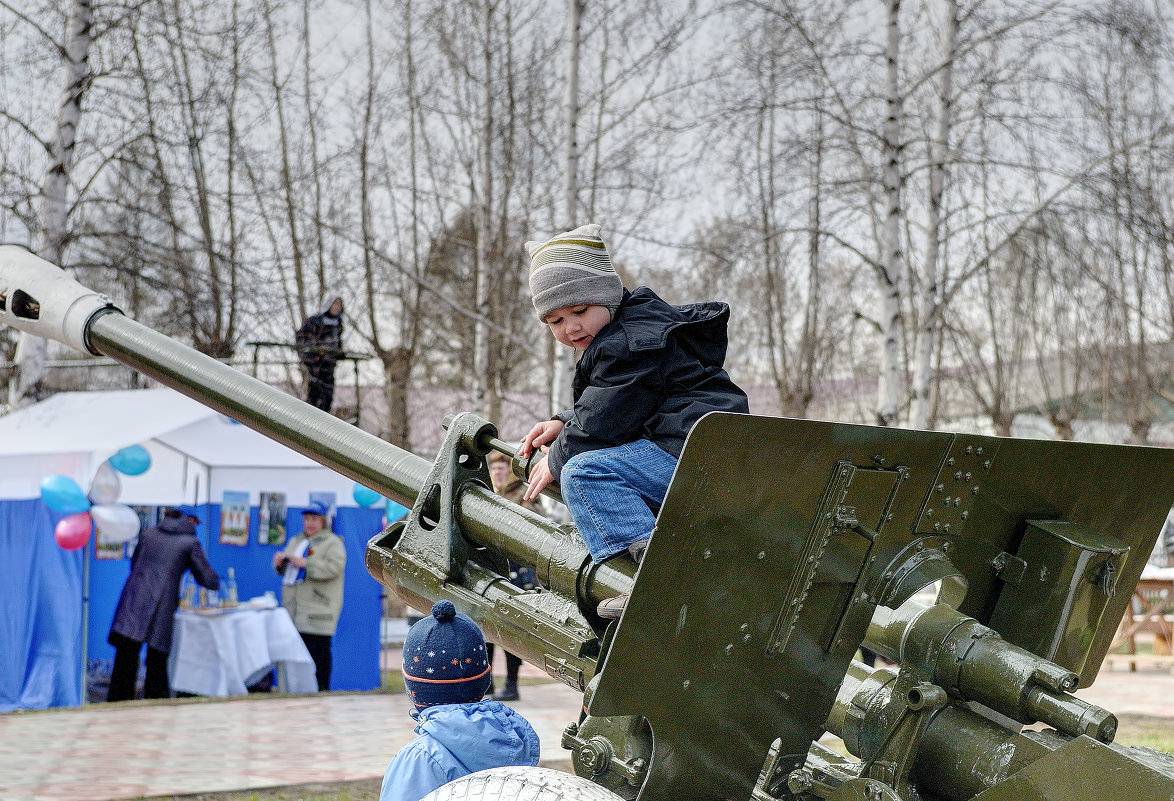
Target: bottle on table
(187, 593)
(230, 593)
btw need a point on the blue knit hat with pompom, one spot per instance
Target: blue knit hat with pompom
(445, 660)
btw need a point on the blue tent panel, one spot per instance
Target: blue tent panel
(40, 611)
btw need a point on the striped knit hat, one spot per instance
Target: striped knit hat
(444, 659)
(573, 269)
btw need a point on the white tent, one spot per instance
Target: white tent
(49, 607)
(196, 453)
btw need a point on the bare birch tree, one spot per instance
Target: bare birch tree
(564, 358)
(1126, 116)
(889, 267)
(393, 289)
(930, 301)
(483, 198)
(1062, 299)
(773, 237)
(52, 232)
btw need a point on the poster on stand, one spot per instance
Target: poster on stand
(329, 499)
(148, 516)
(105, 549)
(271, 525)
(234, 518)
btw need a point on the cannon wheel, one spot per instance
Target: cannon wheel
(533, 784)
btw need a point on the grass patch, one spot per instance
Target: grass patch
(1143, 730)
(391, 681)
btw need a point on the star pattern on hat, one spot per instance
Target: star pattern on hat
(445, 659)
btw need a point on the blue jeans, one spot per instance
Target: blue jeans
(610, 492)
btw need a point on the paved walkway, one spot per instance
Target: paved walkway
(103, 752)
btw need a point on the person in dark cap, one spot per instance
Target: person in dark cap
(319, 345)
(312, 568)
(146, 607)
(446, 673)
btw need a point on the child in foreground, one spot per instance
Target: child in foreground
(446, 673)
(647, 372)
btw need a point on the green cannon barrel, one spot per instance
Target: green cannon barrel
(396, 473)
(39, 298)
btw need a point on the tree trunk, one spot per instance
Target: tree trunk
(397, 375)
(50, 239)
(305, 301)
(892, 317)
(1063, 426)
(564, 358)
(927, 328)
(808, 344)
(484, 196)
(319, 240)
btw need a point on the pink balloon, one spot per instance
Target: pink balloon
(73, 531)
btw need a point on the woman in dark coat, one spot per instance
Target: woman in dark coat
(146, 608)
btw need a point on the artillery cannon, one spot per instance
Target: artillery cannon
(781, 548)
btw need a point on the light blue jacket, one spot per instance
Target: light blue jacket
(456, 740)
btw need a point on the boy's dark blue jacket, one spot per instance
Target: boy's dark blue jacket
(651, 373)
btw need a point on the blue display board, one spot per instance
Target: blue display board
(42, 599)
(356, 643)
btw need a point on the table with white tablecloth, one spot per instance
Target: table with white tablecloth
(221, 652)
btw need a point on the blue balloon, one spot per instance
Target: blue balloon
(364, 496)
(395, 511)
(132, 460)
(62, 494)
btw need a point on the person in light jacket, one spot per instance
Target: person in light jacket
(446, 673)
(512, 488)
(146, 607)
(312, 567)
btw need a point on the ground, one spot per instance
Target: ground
(366, 790)
(1135, 730)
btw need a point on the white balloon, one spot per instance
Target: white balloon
(106, 486)
(115, 522)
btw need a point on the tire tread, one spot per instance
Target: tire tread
(521, 784)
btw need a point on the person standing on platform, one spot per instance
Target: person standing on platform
(312, 567)
(146, 607)
(512, 488)
(319, 344)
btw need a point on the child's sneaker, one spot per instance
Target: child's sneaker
(636, 550)
(612, 608)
